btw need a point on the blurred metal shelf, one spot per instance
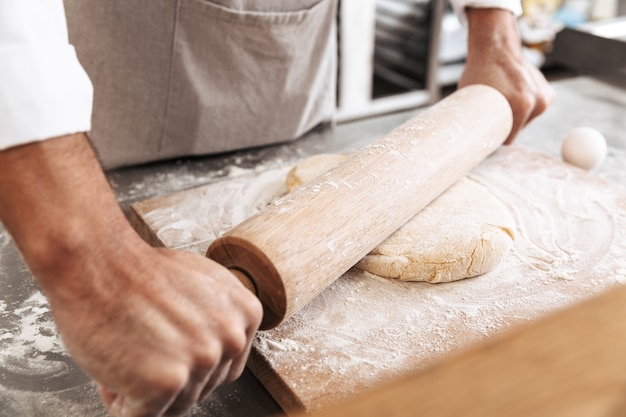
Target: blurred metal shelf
(388, 56)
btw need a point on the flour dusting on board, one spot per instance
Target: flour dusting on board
(204, 215)
(363, 331)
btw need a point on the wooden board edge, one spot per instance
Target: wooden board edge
(569, 363)
(274, 384)
(143, 230)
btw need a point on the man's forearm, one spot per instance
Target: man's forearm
(56, 203)
(495, 58)
(492, 27)
(157, 329)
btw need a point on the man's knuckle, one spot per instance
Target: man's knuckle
(528, 101)
(256, 313)
(235, 343)
(171, 381)
(208, 356)
(170, 389)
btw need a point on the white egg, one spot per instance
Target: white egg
(584, 147)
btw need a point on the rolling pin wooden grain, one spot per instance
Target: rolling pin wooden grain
(304, 241)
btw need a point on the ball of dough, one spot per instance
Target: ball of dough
(584, 147)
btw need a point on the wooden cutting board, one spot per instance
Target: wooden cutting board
(363, 330)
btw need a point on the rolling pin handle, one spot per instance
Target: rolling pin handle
(244, 279)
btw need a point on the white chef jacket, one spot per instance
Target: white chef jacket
(44, 91)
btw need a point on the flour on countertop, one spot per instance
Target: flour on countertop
(23, 349)
(184, 177)
(37, 376)
(82, 402)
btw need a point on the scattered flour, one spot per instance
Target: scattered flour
(24, 347)
(185, 176)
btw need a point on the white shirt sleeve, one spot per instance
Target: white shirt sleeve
(44, 91)
(459, 6)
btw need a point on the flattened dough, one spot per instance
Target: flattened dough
(465, 232)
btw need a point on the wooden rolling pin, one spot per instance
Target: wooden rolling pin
(304, 241)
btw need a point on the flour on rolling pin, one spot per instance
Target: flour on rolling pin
(364, 330)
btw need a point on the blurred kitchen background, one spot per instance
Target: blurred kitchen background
(401, 54)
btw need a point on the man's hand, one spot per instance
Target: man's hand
(157, 329)
(495, 58)
(161, 331)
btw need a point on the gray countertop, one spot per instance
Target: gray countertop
(37, 377)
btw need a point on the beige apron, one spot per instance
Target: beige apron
(187, 77)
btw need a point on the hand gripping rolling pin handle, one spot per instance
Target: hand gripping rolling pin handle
(304, 241)
(244, 279)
